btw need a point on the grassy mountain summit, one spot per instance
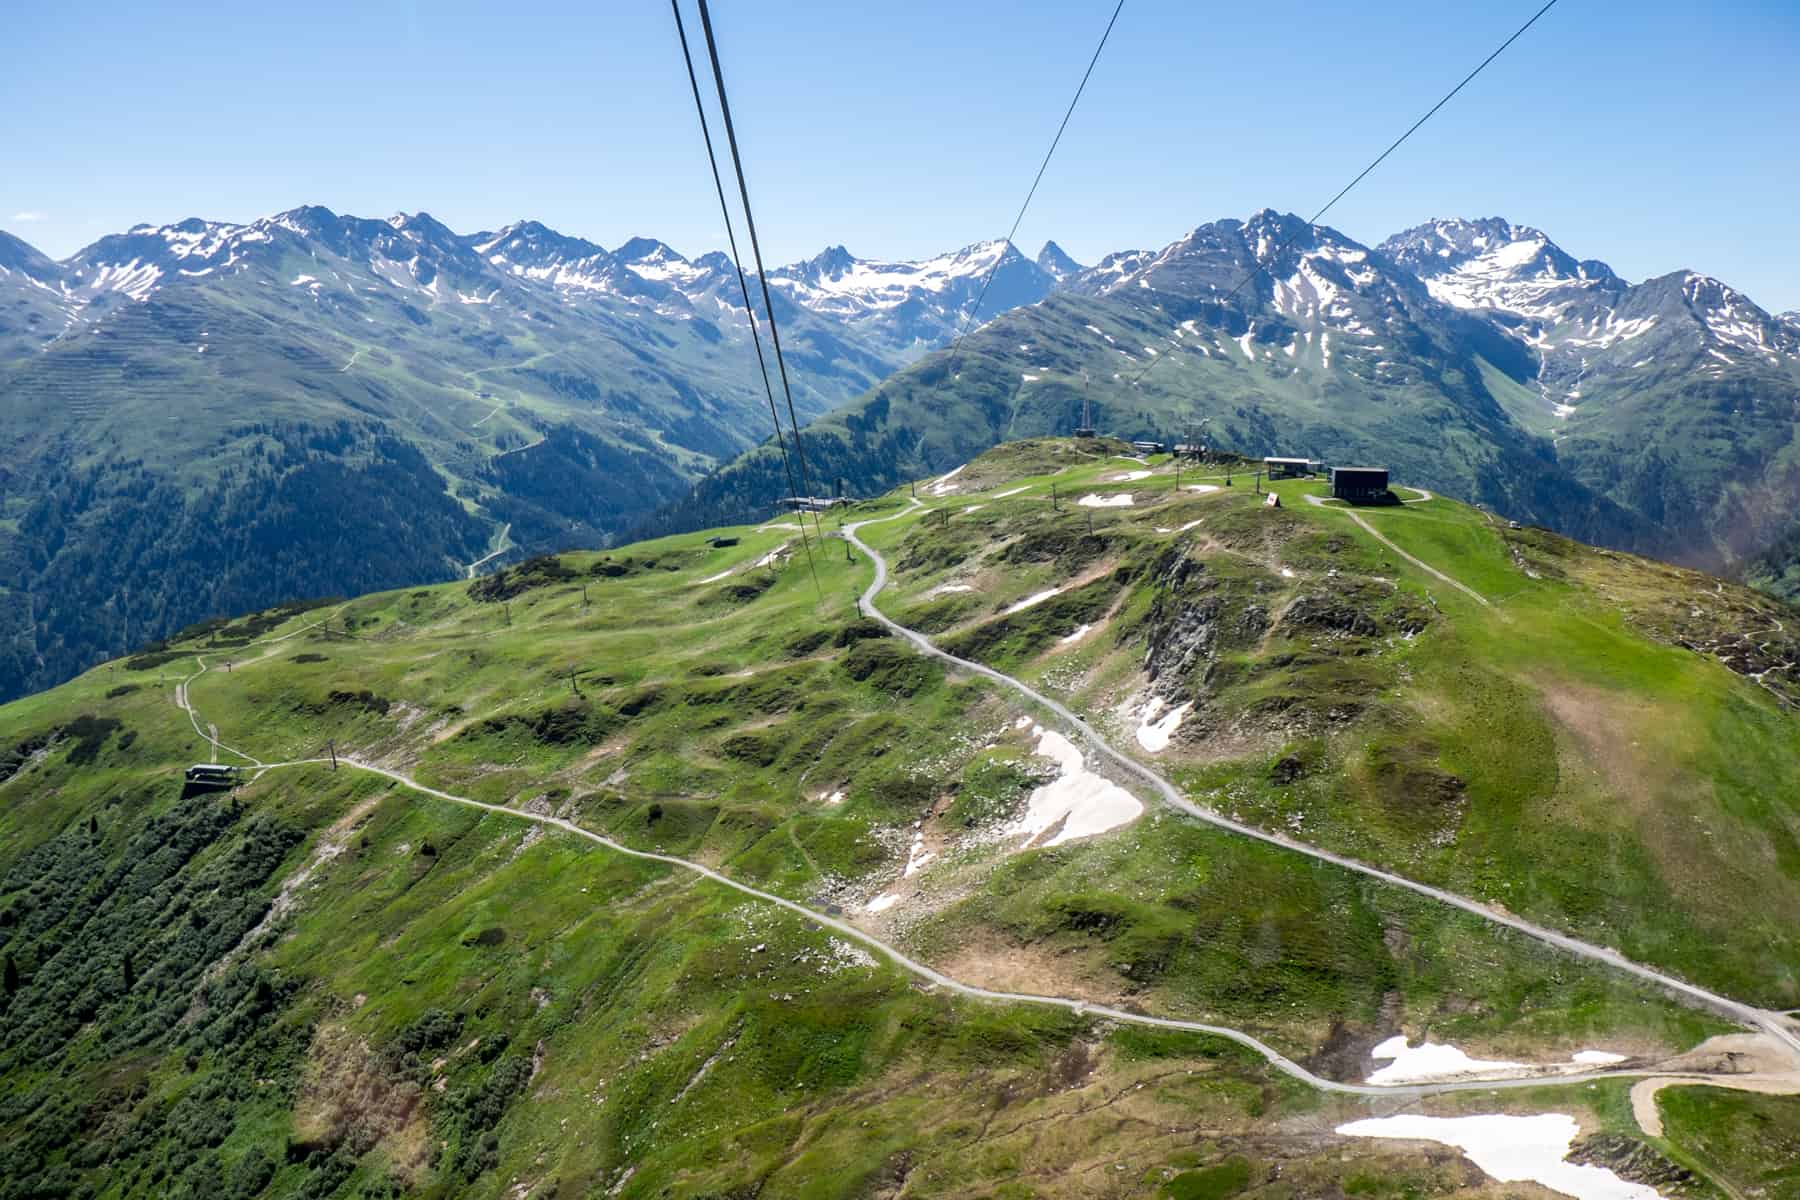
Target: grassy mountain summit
(417, 973)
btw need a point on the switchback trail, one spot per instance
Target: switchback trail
(1768, 1022)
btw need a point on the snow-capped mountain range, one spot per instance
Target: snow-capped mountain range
(1580, 316)
(1474, 357)
(1579, 319)
(903, 309)
(1576, 315)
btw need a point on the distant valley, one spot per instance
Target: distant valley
(204, 417)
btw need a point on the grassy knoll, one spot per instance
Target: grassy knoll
(327, 984)
(1343, 693)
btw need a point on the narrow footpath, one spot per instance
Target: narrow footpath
(1465, 589)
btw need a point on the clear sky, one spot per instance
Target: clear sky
(1654, 135)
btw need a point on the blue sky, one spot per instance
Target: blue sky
(1653, 136)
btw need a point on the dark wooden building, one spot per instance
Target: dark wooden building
(209, 776)
(1360, 485)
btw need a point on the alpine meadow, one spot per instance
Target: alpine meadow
(499, 705)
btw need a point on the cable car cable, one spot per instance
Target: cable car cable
(743, 286)
(1262, 265)
(762, 278)
(969, 316)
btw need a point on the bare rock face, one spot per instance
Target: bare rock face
(1633, 1160)
(1197, 615)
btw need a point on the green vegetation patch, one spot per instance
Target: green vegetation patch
(1209, 1183)
(1748, 1141)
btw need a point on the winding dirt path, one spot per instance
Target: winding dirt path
(914, 967)
(1766, 1021)
(1769, 1022)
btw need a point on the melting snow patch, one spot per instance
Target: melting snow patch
(1202, 488)
(1511, 1150)
(1128, 476)
(882, 902)
(1190, 525)
(716, 578)
(1429, 1060)
(769, 558)
(1596, 1058)
(1081, 631)
(1010, 492)
(944, 589)
(1123, 500)
(1026, 377)
(1077, 803)
(1154, 732)
(836, 797)
(1287, 572)
(974, 508)
(1028, 601)
(942, 485)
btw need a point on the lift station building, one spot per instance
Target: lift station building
(1288, 468)
(1360, 485)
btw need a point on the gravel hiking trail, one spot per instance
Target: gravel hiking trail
(1788, 1042)
(1771, 1023)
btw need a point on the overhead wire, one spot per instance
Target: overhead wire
(762, 276)
(743, 286)
(1262, 264)
(969, 316)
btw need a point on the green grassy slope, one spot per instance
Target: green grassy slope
(329, 984)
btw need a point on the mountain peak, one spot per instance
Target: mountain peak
(16, 254)
(647, 250)
(1491, 263)
(306, 220)
(1444, 245)
(829, 263)
(422, 225)
(532, 244)
(1056, 262)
